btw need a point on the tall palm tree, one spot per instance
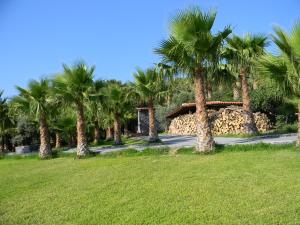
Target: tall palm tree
(148, 85)
(284, 69)
(245, 51)
(73, 87)
(192, 48)
(35, 100)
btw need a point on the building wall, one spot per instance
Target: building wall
(143, 122)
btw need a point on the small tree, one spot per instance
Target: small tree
(35, 101)
(148, 85)
(73, 88)
(245, 50)
(95, 107)
(117, 104)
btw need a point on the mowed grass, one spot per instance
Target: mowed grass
(237, 185)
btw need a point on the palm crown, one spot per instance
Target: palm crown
(284, 68)
(242, 50)
(73, 85)
(148, 84)
(191, 43)
(116, 95)
(35, 98)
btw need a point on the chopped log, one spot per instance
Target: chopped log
(225, 121)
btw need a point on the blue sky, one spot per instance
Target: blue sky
(36, 36)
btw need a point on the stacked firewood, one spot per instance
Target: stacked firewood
(224, 121)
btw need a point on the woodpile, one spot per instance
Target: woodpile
(225, 121)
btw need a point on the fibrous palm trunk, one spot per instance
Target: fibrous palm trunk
(45, 148)
(249, 126)
(109, 134)
(298, 136)
(205, 142)
(153, 137)
(117, 130)
(236, 91)
(57, 139)
(96, 133)
(82, 146)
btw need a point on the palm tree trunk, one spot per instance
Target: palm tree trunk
(109, 134)
(209, 90)
(117, 130)
(45, 148)
(249, 126)
(205, 142)
(153, 137)
(298, 136)
(57, 139)
(96, 133)
(236, 91)
(126, 131)
(82, 146)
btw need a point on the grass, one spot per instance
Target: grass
(287, 128)
(250, 184)
(125, 141)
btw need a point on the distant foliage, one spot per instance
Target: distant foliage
(270, 100)
(26, 133)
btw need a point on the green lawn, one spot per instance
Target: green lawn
(125, 141)
(237, 185)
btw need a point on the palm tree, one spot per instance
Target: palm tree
(245, 50)
(231, 73)
(148, 85)
(284, 69)
(107, 124)
(116, 104)
(73, 87)
(35, 101)
(192, 48)
(95, 106)
(168, 74)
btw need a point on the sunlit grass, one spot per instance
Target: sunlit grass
(248, 184)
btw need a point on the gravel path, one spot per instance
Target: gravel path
(179, 141)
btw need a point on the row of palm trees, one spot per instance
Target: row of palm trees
(109, 103)
(191, 49)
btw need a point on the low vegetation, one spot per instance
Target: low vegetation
(254, 184)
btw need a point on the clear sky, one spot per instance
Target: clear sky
(37, 36)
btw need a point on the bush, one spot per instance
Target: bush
(26, 133)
